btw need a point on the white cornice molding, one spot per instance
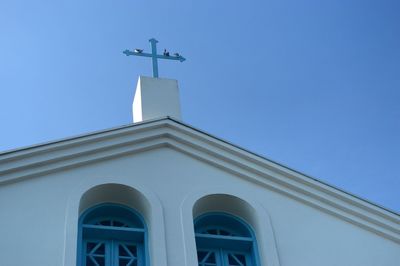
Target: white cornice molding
(43, 159)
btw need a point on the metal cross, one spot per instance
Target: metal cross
(154, 56)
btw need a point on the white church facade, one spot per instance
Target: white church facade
(161, 193)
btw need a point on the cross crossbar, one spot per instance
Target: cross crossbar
(155, 56)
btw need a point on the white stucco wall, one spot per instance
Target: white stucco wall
(39, 215)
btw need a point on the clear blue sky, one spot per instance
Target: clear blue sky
(314, 85)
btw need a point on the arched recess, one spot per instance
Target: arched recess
(92, 192)
(234, 203)
(116, 193)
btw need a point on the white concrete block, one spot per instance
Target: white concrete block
(156, 98)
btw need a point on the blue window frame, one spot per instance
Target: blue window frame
(111, 235)
(224, 240)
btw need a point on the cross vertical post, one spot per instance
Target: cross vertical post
(154, 56)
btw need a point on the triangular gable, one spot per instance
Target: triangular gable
(30, 162)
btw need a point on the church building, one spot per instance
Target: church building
(159, 192)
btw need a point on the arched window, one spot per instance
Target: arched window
(224, 240)
(111, 235)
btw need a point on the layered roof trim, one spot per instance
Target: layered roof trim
(46, 158)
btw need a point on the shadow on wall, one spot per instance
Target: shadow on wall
(116, 193)
(228, 204)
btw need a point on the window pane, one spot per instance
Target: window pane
(125, 250)
(212, 231)
(100, 250)
(95, 261)
(118, 223)
(100, 261)
(132, 249)
(127, 262)
(236, 260)
(201, 255)
(90, 261)
(105, 222)
(90, 246)
(95, 248)
(210, 258)
(206, 258)
(225, 233)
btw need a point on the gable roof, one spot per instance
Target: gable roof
(17, 165)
